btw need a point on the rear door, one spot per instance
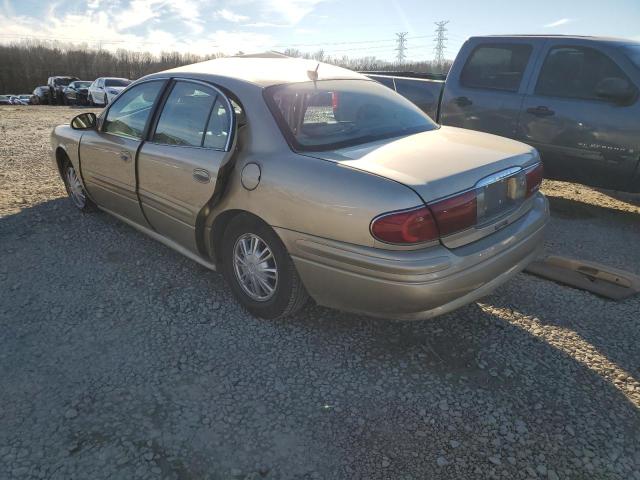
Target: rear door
(188, 148)
(581, 135)
(108, 153)
(485, 92)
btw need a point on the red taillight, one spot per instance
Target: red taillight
(456, 213)
(335, 100)
(408, 226)
(534, 179)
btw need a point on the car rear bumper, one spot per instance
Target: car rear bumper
(415, 284)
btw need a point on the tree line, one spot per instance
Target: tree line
(28, 64)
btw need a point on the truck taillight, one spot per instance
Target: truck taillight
(404, 227)
(534, 177)
(335, 100)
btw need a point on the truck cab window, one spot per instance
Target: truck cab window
(576, 72)
(496, 66)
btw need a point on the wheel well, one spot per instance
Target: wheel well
(61, 157)
(219, 226)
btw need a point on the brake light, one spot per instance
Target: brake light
(407, 226)
(335, 100)
(456, 213)
(534, 178)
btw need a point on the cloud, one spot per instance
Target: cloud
(265, 25)
(558, 23)
(229, 16)
(101, 28)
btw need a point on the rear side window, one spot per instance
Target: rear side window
(217, 131)
(185, 114)
(496, 67)
(129, 113)
(418, 92)
(576, 72)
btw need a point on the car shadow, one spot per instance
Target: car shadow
(570, 209)
(483, 373)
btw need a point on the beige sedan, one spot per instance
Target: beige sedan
(299, 180)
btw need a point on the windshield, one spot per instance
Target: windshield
(331, 114)
(116, 82)
(633, 52)
(82, 84)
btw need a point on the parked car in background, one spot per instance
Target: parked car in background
(56, 88)
(576, 99)
(26, 98)
(4, 100)
(104, 89)
(77, 93)
(16, 100)
(40, 95)
(297, 178)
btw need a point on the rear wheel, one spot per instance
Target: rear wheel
(259, 269)
(75, 190)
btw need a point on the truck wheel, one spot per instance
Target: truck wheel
(75, 190)
(259, 270)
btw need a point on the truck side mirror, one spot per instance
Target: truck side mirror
(84, 121)
(615, 89)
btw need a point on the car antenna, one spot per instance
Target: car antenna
(313, 74)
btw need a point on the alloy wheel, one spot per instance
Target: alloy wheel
(76, 192)
(255, 267)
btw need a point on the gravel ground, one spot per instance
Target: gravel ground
(121, 359)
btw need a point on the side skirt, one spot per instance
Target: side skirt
(164, 240)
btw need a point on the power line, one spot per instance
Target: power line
(402, 46)
(440, 40)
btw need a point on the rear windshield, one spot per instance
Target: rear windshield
(116, 82)
(63, 81)
(331, 114)
(633, 52)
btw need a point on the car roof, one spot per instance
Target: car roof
(611, 40)
(264, 69)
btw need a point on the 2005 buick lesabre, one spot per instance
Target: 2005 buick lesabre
(300, 179)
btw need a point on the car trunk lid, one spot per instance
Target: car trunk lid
(440, 163)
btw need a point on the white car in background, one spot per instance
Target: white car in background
(104, 89)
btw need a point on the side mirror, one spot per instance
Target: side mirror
(84, 121)
(615, 89)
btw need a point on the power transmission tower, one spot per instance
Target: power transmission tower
(440, 40)
(402, 46)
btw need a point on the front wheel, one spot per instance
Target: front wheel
(259, 269)
(75, 190)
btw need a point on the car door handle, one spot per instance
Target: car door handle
(463, 101)
(201, 175)
(541, 111)
(124, 156)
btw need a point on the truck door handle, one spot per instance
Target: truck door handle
(541, 111)
(463, 101)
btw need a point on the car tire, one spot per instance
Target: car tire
(276, 271)
(75, 189)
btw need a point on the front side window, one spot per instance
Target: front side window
(332, 114)
(633, 52)
(186, 115)
(576, 72)
(129, 113)
(496, 67)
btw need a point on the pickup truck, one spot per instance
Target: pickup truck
(575, 99)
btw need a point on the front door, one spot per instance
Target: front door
(178, 168)
(486, 93)
(108, 155)
(581, 134)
